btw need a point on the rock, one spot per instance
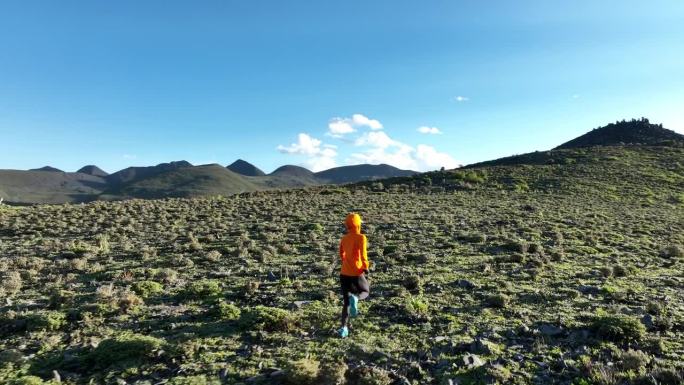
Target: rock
(466, 284)
(56, 377)
(401, 380)
(277, 374)
(550, 330)
(299, 304)
(272, 277)
(579, 335)
(588, 289)
(439, 339)
(524, 330)
(472, 361)
(223, 374)
(648, 321)
(482, 346)
(379, 355)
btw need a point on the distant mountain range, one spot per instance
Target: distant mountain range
(182, 179)
(174, 179)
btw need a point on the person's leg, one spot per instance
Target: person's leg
(363, 287)
(344, 285)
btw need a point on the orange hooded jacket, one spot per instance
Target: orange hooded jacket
(353, 248)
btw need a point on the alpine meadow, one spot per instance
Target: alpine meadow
(307, 192)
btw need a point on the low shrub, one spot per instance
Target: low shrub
(412, 283)
(26, 380)
(226, 311)
(194, 380)
(369, 375)
(302, 372)
(672, 251)
(498, 300)
(124, 351)
(635, 360)
(268, 319)
(148, 289)
(618, 328)
(45, 321)
(416, 306)
(203, 289)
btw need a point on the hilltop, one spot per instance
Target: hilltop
(245, 168)
(633, 132)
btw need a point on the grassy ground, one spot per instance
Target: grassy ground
(575, 278)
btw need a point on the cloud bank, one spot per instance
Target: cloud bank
(369, 144)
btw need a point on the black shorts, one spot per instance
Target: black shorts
(354, 284)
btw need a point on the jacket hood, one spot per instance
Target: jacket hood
(353, 223)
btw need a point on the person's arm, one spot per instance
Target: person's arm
(364, 255)
(341, 251)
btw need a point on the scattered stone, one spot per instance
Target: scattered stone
(299, 304)
(482, 346)
(56, 377)
(550, 330)
(472, 361)
(439, 339)
(588, 289)
(579, 335)
(466, 284)
(648, 321)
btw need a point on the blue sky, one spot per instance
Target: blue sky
(322, 83)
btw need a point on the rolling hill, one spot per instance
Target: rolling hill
(600, 161)
(245, 168)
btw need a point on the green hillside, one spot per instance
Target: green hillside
(191, 181)
(561, 267)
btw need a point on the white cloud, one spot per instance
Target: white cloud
(376, 139)
(338, 127)
(383, 149)
(319, 156)
(431, 159)
(429, 130)
(461, 98)
(361, 120)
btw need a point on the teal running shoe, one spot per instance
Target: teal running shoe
(343, 332)
(353, 305)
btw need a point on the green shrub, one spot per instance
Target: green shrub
(129, 302)
(618, 328)
(333, 373)
(204, 289)
(226, 311)
(148, 289)
(45, 321)
(497, 300)
(27, 380)
(302, 372)
(416, 306)
(12, 282)
(369, 375)
(672, 251)
(10, 356)
(268, 319)
(194, 380)
(635, 360)
(412, 283)
(518, 246)
(125, 350)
